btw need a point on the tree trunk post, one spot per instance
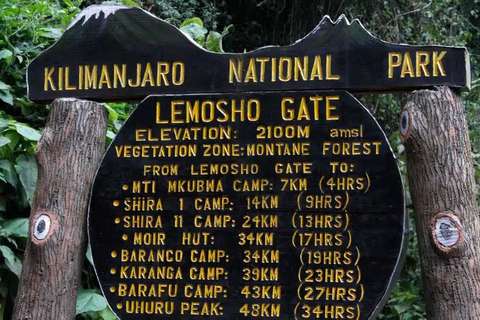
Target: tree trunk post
(440, 170)
(68, 155)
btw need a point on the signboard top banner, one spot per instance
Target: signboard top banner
(120, 53)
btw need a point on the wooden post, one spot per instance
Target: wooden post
(442, 185)
(68, 155)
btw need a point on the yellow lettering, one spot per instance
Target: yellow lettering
(437, 63)
(285, 69)
(104, 78)
(119, 75)
(158, 120)
(67, 80)
(422, 60)
(331, 76)
(407, 67)
(148, 76)
(178, 73)
(317, 71)
(394, 61)
(300, 69)
(48, 79)
(163, 69)
(137, 83)
(251, 74)
(235, 70)
(329, 108)
(90, 77)
(287, 114)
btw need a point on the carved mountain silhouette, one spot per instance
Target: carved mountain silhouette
(108, 35)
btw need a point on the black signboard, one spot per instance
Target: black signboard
(258, 205)
(117, 53)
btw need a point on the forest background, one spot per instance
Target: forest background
(28, 27)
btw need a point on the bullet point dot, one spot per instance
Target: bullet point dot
(119, 306)
(117, 220)
(113, 271)
(112, 289)
(114, 254)
(116, 203)
(124, 237)
(125, 187)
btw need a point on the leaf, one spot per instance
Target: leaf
(194, 30)
(132, 4)
(68, 3)
(22, 198)
(3, 124)
(88, 254)
(51, 33)
(27, 170)
(112, 114)
(12, 262)
(110, 134)
(10, 173)
(17, 227)
(4, 141)
(107, 314)
(118, 124)
(5, 94)
(14, 137)
(194, 20)
(89, 300)
(4, 86)
(110, 137)
(6, 97)
(28, 132)
(5, 54)
(401, 308)
(214, 42)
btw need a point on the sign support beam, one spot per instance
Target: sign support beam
(442, 185)
(68, 155)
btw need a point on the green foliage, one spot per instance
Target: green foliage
(117, 114)
(90, 301)
(11, 261)
(18, 168)
(194, 29)
(177, 11)
(18, 174)
(27, 28)
(13, 234)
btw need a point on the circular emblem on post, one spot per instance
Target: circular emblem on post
(405, 124)
(447, 231)
(42, 227)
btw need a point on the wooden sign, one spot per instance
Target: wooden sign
(116, 53)
(260, 205)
